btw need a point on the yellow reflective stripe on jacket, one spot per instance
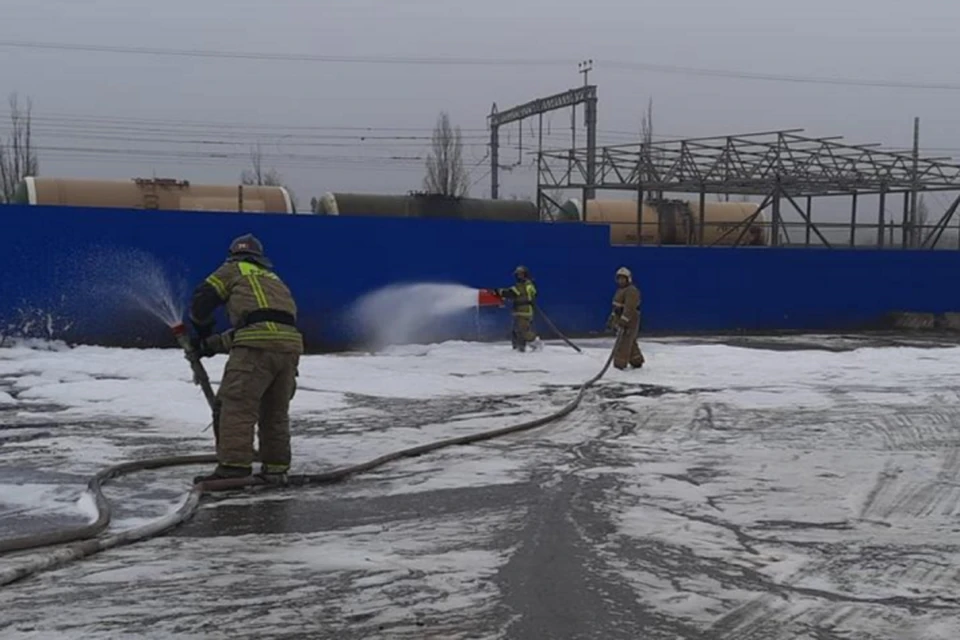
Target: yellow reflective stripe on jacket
(248, 269)
(257, 335)
(253, 273)
(529, 291)
(218, 286)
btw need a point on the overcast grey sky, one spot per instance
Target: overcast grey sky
(122, 115)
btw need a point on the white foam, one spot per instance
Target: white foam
(398, 313)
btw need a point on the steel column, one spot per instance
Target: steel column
(703, 214)
(853, 220)
(881, 216)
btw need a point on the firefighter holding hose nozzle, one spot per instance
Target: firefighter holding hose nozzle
(264, 348)
(523, 295)
(626, 316)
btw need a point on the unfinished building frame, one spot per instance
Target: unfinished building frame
(787, 169)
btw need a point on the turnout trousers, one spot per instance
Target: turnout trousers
(522, 332)
(628, 351)
(257, 387)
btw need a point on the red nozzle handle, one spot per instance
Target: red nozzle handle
(179, 329)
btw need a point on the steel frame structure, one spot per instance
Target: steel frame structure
(586, 95)
(783, 167)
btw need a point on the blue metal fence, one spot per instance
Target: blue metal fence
(70, 266)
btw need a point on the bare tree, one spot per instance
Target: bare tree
(646, 136)
(923, 215)
(646, 125)
(18, 157)
(445, 172)
(257, 176)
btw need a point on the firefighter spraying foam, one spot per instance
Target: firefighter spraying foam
(523, 295)
(264, 348)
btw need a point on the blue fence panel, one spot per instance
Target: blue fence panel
(79, 266)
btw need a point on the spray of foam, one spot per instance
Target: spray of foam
(155, 294)
(399, 314)
(135, 278)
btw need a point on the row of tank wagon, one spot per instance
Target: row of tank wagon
(662, 222)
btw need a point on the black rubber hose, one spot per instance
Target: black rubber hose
(88, 547)
(553, 328)
(95, 485)
(200, 377)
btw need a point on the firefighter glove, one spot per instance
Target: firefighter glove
(202, 347)
(204, 331)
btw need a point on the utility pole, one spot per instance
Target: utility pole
(912, 238)
(494, 154)
(585, 68)
(590, 122)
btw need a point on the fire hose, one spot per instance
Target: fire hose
(553, 328)
(83, 541)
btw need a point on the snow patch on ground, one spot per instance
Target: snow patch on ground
(736, 472)
(421, 576)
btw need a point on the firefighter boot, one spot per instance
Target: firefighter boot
(223, 472)
(273, 473)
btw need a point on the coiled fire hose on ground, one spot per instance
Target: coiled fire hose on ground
(82, 541)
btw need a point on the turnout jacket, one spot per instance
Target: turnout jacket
(626, 304)
(260, 307)
(523, 294)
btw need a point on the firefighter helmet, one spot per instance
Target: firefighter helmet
(246, 245)
(623, 271)
(521, 271)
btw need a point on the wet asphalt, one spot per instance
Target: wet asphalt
(569, 574)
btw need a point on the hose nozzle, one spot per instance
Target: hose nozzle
(182, 336)
(489, 298)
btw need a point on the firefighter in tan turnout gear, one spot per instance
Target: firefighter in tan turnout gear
(523, 294)
(626, 315)
(259, 379)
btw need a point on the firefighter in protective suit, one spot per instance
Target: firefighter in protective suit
(523, 294)
(265, 346)
(626, 315)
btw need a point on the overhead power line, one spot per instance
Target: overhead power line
(615, 65)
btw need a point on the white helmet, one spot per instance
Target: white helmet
(623, 271)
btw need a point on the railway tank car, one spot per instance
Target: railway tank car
(426, 206)
(161, 194)
(673, 222)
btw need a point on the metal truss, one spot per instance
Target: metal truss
(586, 95)
(776, 165)
(752, 164)
(542, 105)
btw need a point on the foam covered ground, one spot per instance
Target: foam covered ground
(722, 492)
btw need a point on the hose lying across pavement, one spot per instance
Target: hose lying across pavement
(84, 542)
